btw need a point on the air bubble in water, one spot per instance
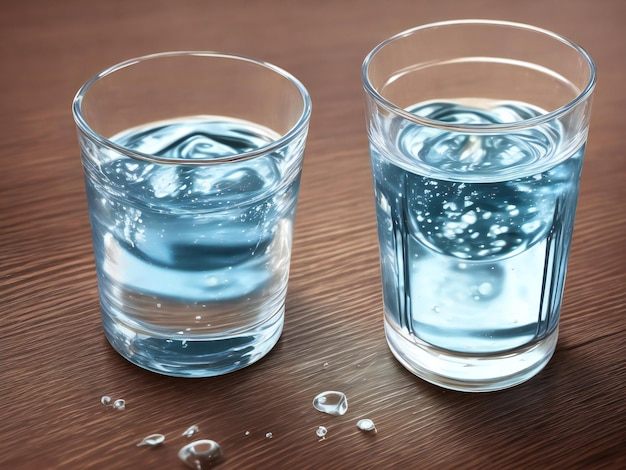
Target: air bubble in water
(469, 217)
(485, 288)
(366, 425)
(119, 404)
(152, 440)
(200, 454)
(332, 403)
(190, 431)
(321, 432)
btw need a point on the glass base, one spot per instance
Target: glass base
(194, 357)
(471, 373)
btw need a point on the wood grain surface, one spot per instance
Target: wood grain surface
(56, 364)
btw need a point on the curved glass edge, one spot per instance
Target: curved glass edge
(477, 129)
(293, 133)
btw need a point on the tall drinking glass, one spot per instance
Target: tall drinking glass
(477, 132)
(192, 165)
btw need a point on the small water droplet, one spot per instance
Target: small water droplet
(153, 440)
(269, 435)
(321, 432)
(366, 425)
(190, 431)
(436, 309)
(333, 403)
(119, 404)
(105, 400)
(200, 454)
(247, 433)
(158, 305)
(325, 364)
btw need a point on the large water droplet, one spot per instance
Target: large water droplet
(200, 454)
(366, 425)
(152, 440)
(333, 403)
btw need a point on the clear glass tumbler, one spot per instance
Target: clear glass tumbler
(192, 165)
(477, 132)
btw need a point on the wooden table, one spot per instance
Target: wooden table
(56, 364)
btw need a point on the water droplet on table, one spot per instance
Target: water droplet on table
(200, 454)
(119, 404)
(269, 435)
(321, 432)
(366, 425)
(105, 400)
(152, 440)
(190, 431)
(332, 403)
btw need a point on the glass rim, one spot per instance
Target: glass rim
(283, 140)
(478, 128)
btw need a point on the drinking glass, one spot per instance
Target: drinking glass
(477, 131)
(192, 166)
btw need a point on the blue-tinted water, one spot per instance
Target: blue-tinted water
(474, 229)
(192, 260)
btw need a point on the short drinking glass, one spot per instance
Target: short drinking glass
(192, 165)
(477, 132)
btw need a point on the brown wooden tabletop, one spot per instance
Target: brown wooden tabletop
(56, 363)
